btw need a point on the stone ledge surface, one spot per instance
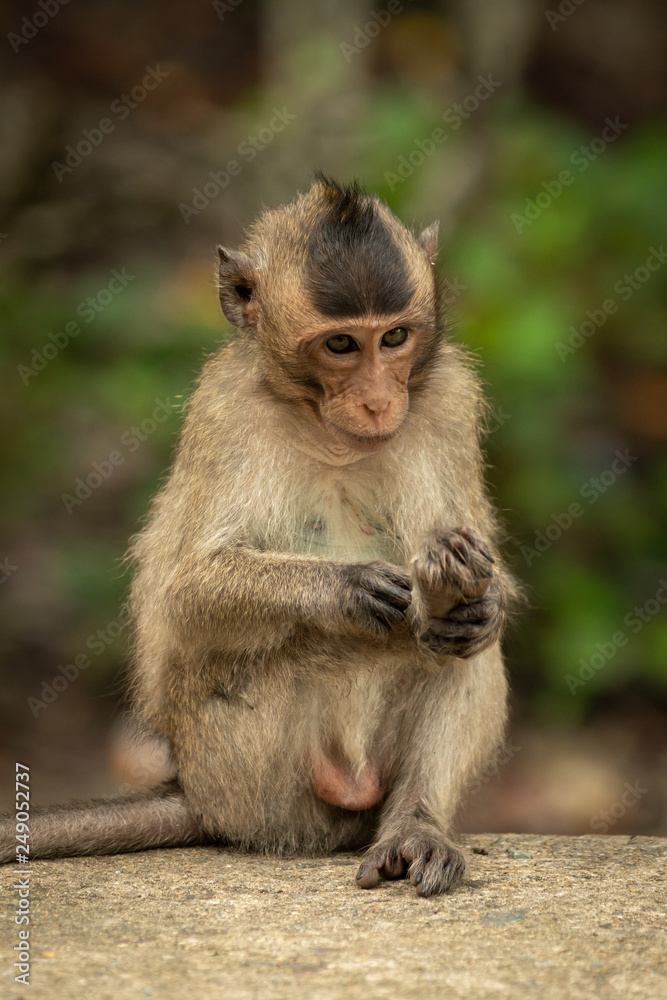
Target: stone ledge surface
(582, 918)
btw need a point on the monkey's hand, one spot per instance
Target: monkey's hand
(375, 596)
(457, 610)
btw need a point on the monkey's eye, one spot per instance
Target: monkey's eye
(395, 337)
(342, 344)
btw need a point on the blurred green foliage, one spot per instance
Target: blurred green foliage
(561, 421)
(571, 413)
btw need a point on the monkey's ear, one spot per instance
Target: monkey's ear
(237, 284)
(428, 240)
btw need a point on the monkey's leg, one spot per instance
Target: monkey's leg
(159, 818)
(244, 761)
(454, 724)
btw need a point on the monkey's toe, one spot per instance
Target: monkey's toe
(368, 877)
(453, 638)
(467, 560)
(477, 613)
(382, 861)
(453, 565)
(434, 868)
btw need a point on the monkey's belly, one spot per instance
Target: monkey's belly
(335, 783)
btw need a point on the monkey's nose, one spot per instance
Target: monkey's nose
(376, 407)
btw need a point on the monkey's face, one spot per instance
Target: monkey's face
(361, 369)
(340, 300)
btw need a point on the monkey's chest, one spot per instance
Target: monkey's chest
(343, 528)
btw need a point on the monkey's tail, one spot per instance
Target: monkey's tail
(157, 818)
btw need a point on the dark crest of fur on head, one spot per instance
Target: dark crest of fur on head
(355, 267)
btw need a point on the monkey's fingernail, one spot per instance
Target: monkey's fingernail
(419, 878)
(426, 889)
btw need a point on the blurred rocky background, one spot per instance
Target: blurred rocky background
(134, 136)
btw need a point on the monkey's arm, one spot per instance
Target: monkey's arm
(249, 599)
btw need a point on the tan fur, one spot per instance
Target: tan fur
(253, 656)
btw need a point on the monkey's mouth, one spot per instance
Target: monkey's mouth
(364, 442)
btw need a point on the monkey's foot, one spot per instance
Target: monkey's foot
(433, 866)
(456, 601)
(452, 566)
(467, 629)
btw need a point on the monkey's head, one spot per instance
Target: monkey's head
(341, 300)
